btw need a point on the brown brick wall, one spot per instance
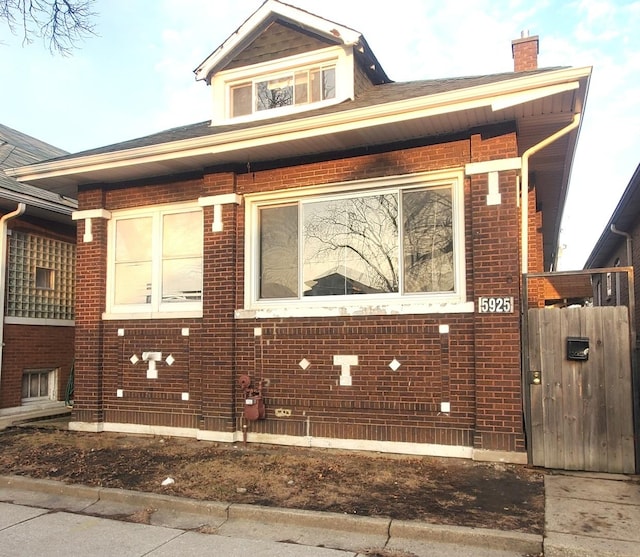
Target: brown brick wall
(34, 347)
(31, 347)
(495, 270)
(90, 289)
(475, 366)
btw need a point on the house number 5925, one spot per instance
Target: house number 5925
(495, 304)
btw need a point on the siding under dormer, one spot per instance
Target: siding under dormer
(275, 42)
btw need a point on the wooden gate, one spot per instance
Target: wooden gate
(581, 411)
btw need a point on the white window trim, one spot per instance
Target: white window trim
(146, 311)
(373, 304)
(341, 56)
(52, 385)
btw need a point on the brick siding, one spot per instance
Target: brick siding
(475, 366)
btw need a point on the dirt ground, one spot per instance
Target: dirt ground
(436, 490)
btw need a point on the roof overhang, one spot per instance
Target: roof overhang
(539, 104)
(558, 96)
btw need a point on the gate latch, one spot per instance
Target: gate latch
(535, 377)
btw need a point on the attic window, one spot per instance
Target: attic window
(294, 87)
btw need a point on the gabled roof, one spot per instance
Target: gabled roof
(274, 11)
(379, 95)
(625, 218)
(17, 148)
(536, 104)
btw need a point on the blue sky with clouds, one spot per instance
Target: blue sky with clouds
(136, 76)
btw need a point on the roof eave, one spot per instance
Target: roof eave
(478, 97)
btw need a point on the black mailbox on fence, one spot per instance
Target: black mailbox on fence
(577, 348)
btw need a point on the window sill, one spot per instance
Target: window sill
(355, 310)
(152, 315)
(43, 321)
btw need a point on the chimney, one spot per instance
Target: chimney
(525, 52)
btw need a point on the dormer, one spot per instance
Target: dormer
(284, 60)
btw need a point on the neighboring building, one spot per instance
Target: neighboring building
(353, 245)
(618, 246)
(37, 280)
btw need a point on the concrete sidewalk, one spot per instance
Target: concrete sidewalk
(592, 515)
(585, 516)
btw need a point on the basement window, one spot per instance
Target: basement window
(38, 385)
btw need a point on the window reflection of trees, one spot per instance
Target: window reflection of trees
(274, 94)
(428, 240)
(356, 238)
(354, 245)
(279, 252)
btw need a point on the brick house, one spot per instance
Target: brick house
(37, 283)
(618, 246)
(343, 248)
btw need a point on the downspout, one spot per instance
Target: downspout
(3, 268)
(524, 188)
(629, 246)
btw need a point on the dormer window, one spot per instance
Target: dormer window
(282, 61)
(288, 85)
(295, 87)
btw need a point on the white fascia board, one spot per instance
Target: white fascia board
(483, 96)
(305, 19)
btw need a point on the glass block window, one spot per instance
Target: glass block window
(40, 277)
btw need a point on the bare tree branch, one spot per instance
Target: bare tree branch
(61, 24)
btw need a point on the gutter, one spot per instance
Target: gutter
(65, 206)
(524, 187)
(3, 269)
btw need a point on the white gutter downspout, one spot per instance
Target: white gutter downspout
(629, 248)
(524, 186)
(3, 268)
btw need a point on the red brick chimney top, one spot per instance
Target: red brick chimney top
(525, 53)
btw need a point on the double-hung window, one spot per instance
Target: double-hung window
(155, 261)
(392, 241)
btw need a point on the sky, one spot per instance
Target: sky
(135, 76)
